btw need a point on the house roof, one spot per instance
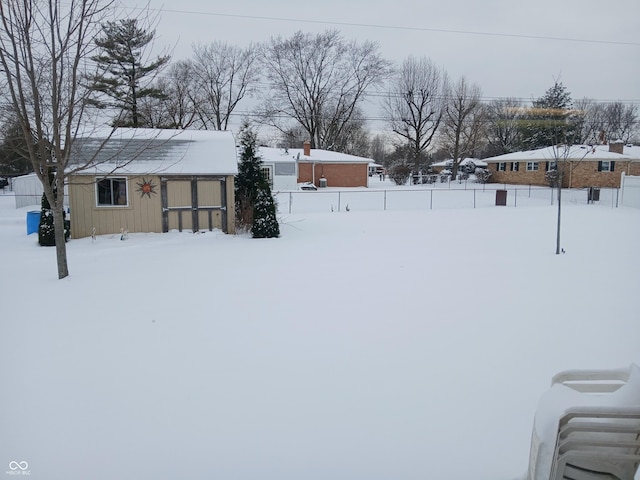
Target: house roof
(131, 151)
(448, 163)
(269, 154)
(576, 152)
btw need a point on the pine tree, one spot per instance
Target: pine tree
(265, 221)
(46, 231)
(123, 69)
(552, 120)
(255, 206)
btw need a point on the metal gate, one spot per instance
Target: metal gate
(194, 203)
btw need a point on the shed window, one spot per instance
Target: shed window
(112, 192)
(532, 166)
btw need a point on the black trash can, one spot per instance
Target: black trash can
(501, 197)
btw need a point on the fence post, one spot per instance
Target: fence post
(385, 200)
(290, 200)
(515, 197)
(338, 201)
(474, 198)
(431, 201)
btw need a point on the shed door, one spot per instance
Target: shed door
(194, 203)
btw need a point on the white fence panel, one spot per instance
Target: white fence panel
(630, 191)
(27, 190)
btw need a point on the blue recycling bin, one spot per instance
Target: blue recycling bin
(33, 221)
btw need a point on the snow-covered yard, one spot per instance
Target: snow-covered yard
(361, 345)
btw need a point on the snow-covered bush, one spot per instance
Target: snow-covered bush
(46, 231)
(551, 177)
(400, 173)
(482, 175)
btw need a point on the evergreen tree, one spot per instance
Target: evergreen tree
(551, 121)
(46, 229)
(265, 222)
(14, 153)
(124, 69)
(255, 206)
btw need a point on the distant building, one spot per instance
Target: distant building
(286, 168)
(584, 165)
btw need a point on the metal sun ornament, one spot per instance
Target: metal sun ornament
(146, 187)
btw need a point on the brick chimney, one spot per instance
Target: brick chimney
(616, 147)
(307, 148)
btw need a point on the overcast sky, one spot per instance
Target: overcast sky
(510, 48)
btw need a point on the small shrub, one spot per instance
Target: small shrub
(552, 178)
(400, 173)
(482, 175)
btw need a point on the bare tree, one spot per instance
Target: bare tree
(414, 105)
(44, 49)
(503, 126)
(177, 107)
(591, 121)
(223, 76)
(463, 121)
(319, 81)
(621, 120)
(603, 122)
(378, 149)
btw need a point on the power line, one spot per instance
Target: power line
(404, 27)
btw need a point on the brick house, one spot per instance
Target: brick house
(583, 165)
(288, 167)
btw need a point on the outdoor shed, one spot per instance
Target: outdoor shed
(151, 180)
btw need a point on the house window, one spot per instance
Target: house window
(111, 192)
(502, 166)
(551, 166)
(606, 166)
(532, 166)
(515, 166)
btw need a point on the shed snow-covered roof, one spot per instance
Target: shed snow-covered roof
(131, 151)
(576, 152)
(270, 154)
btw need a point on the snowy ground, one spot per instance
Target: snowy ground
(361, 345)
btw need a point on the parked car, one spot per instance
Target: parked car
(3, 182)
(308, 186)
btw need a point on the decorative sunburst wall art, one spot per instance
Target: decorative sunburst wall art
(146, 187)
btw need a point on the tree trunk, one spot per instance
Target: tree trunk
(61, 246)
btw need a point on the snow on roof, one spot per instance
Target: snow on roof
(447, 163)
(576, 152)
(156, 151)
(270, 154)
